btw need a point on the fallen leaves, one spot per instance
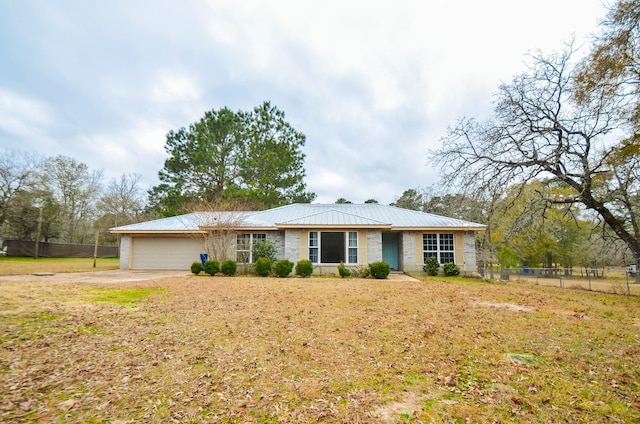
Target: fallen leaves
(292, 350)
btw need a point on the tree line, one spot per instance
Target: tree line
(228, 160)
(523, 229)
(554, 173)
(61, 199)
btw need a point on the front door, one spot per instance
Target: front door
(390, 250)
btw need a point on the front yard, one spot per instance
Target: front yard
(244, 349)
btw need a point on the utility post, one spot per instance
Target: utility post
(39, 205)
(95, 248)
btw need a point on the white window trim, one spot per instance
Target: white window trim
(346, 246)
(252, 240)
(439, 249)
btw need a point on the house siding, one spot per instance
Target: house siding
(464, 250)
(278, 240)
(374, 246)
(458, 250)
(469, 253)
(410, 262)
(125, 252)
(363, 248)
(292, 245)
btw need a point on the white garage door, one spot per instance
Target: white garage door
(164, 253)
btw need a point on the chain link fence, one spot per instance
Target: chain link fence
(608, 280)
(56, 250)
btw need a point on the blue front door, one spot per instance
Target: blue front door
(390, 250)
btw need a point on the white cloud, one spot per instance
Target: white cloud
(372, 84)
(22, 117)
(168, 88)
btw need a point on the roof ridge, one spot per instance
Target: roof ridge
(322, 212)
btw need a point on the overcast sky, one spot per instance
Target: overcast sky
(373, 85)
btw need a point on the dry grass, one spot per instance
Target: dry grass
(201, 349)
(20, 265)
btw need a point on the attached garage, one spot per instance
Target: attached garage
(163, 252)
(325, 234)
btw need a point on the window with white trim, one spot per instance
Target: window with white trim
(353, 248)
(313, 247)
(439, 246)
(333, 247)
(244, 246)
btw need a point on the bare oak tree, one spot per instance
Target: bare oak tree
(541, 130)
(217, 224)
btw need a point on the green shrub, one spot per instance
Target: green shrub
(263, 267)
(379, 269)
(229, 267)
(343, 270)
(361, 272)
(451, 269)
(264, 249)
(283, 268)
(304, 268)
(196, 268)
(431, 266)
(211, 267)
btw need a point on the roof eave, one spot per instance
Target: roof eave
(242, 228)
(457, 228)
(321, 226)
(156, 232)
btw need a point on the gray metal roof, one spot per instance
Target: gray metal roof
(311, 215)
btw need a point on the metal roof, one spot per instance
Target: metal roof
(302, 215)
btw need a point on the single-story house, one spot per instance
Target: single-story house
(327, 234)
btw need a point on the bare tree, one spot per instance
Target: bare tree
(76, 190)
(218, 225)
(540, 130)
(18, 172)
(123, 199)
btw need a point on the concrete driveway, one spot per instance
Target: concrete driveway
(115, 276)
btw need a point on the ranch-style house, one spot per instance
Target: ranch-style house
(327, 234)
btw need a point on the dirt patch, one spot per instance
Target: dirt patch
(406, 409)
(509, 306)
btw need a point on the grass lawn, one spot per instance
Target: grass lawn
(14, 266)
(243, 349)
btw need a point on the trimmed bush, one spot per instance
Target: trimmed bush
(343, 270)
(229, 267)
(283, 268)
(304, 268)
(264, 249)
(431, 266)
(263, 267)
(451, 269)
(196, 268)
(211, 267)
(379, 269)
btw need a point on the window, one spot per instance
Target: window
(353, 247)
(258, 237)
(313, 246)
(332, 247)
(438, 245)
(244, 246)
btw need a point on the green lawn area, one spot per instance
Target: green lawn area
(17, 265)
(247, 349)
